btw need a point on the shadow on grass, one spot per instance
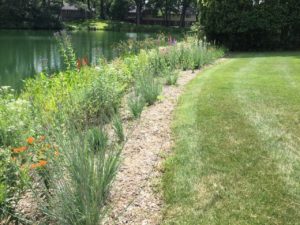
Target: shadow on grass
(267, 54)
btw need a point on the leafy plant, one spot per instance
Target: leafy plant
(66, 49)
(101, 99)
(136, 104)
(130, 47)
(13, 181)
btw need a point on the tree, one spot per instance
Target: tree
(102, 9)
(30, 13)
(248, 24)
(165, 7)
(119, 9)
(184, 5)
(139, 7)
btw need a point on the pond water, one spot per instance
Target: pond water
(25, 53)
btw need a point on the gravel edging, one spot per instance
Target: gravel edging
(133, 198)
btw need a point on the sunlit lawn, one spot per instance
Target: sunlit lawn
(237, 154)
(97, 24)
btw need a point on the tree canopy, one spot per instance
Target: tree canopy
(252, 24)
(239, 25)
(30, 13)
(46, 13)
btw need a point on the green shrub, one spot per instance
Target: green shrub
(157, 61)
(101, 99)
(131, 47)
(15, 117)
(173, 56)
(136, 105)
(13, 181)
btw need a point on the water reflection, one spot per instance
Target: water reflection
(25, 53)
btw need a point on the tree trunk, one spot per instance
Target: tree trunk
(138, 13)
(166, 13)
(102, 11)
(183, 12)
(89, 5)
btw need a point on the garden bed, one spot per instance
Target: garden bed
(66, 129)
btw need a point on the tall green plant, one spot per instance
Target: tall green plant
(66, 49)
(136, 104)
(118, 128)
(80, 179)
(148, 87)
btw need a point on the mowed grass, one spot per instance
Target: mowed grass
(236, 159)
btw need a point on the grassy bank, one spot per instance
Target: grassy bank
(60, 125)
(118, 26)
(236, 159)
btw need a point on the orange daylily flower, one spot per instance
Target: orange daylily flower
(30, 140)
(20, 149)
(41, 163)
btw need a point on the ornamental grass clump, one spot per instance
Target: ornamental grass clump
(172, 77)
(148, 87)
(118, 128)
(80, 179)
(97, 138)
(136, 104)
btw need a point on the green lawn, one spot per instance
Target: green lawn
(237, 155)
(95, 24)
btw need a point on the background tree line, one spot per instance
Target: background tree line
(46, 13)
(252, 24)
(239, 25)
(30, 13)
(118, 9)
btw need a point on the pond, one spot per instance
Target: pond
(25, 53)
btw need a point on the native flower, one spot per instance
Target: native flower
(20, 149)
(41, 163)
(30, 140)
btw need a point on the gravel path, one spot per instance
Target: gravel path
(134, 197)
